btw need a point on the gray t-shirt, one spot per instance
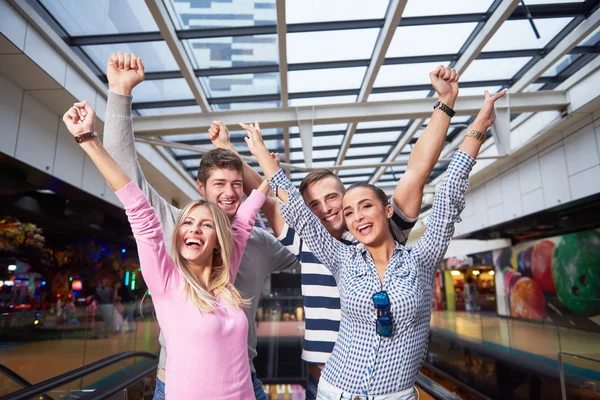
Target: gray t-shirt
(256, 262)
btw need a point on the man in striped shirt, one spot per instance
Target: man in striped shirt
(322, 191)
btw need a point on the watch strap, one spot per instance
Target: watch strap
(84, 137)
(476, 134)
(445, 108)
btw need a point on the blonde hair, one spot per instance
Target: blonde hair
(219, 281)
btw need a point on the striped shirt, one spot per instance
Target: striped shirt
(363, 362)
(320, 294)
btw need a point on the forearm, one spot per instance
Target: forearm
(426, 151)
(423, 157)
(269, 168)
(470, 145)
(110, 170)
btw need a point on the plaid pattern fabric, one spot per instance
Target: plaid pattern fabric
(320, 294)
(363, 362)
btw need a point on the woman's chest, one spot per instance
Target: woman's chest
(183, 320)
(402, 284)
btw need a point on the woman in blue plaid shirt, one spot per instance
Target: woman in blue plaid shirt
(385, 288)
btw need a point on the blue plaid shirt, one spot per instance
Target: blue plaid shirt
(363, 362)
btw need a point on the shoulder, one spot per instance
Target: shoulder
(348, 238)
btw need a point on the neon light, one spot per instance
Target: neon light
(127, 278)
(12, 267)
(77, 285)
(133, 281)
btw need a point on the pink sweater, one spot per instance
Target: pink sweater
(208, 352)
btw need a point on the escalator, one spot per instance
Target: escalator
(137, 382)
(136, 378)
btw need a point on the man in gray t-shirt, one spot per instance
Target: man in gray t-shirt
(219, 181)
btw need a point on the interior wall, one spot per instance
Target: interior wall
(33, 133)
(563, 169)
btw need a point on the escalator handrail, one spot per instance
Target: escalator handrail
(564, 353)
(106, 391)
(52, 383)
(460, 384)
(18, 379)
(434, 389)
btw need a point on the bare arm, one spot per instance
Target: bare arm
(449, 198)
(219, 136)
(408, 194)
(80, 119)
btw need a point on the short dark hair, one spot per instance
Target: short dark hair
(218, 159)
(318, 175)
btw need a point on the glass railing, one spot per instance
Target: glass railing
(490, 353)
(41, 344)
(579, 376)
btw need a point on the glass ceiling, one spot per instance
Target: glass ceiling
(233, 48)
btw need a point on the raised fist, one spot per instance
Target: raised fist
(219, 135)
(80, 118)
(445, 82)
(124, 71)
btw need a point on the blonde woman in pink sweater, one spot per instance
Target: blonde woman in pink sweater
(198, 308)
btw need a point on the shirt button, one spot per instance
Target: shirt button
(404, 273)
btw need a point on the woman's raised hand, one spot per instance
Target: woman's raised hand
(81, 118)
(254, 138)
(487, 115)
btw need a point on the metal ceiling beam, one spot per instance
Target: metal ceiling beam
(473, 49)
(329, 93)
(283, 72)
(167, 29)
(274, 68)
(562, 48)
(252, 160)
(392, 20)
(341, 113)
(537, 11)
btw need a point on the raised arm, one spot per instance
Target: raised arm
(219, 136)
(294, 211)
(156, 265)
(408, 194)
(124, 72)
(449, 200)
(244, 222)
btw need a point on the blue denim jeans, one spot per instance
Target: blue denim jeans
(259, 392)
(312, 385)
(159, 390)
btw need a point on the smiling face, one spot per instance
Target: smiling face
(366, 217)
(224, 187)
(324, 198)
(197, 236)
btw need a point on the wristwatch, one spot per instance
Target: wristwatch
(438, 104)
(476, 134)
(84, 137)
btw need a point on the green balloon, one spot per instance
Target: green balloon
(576, 272)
